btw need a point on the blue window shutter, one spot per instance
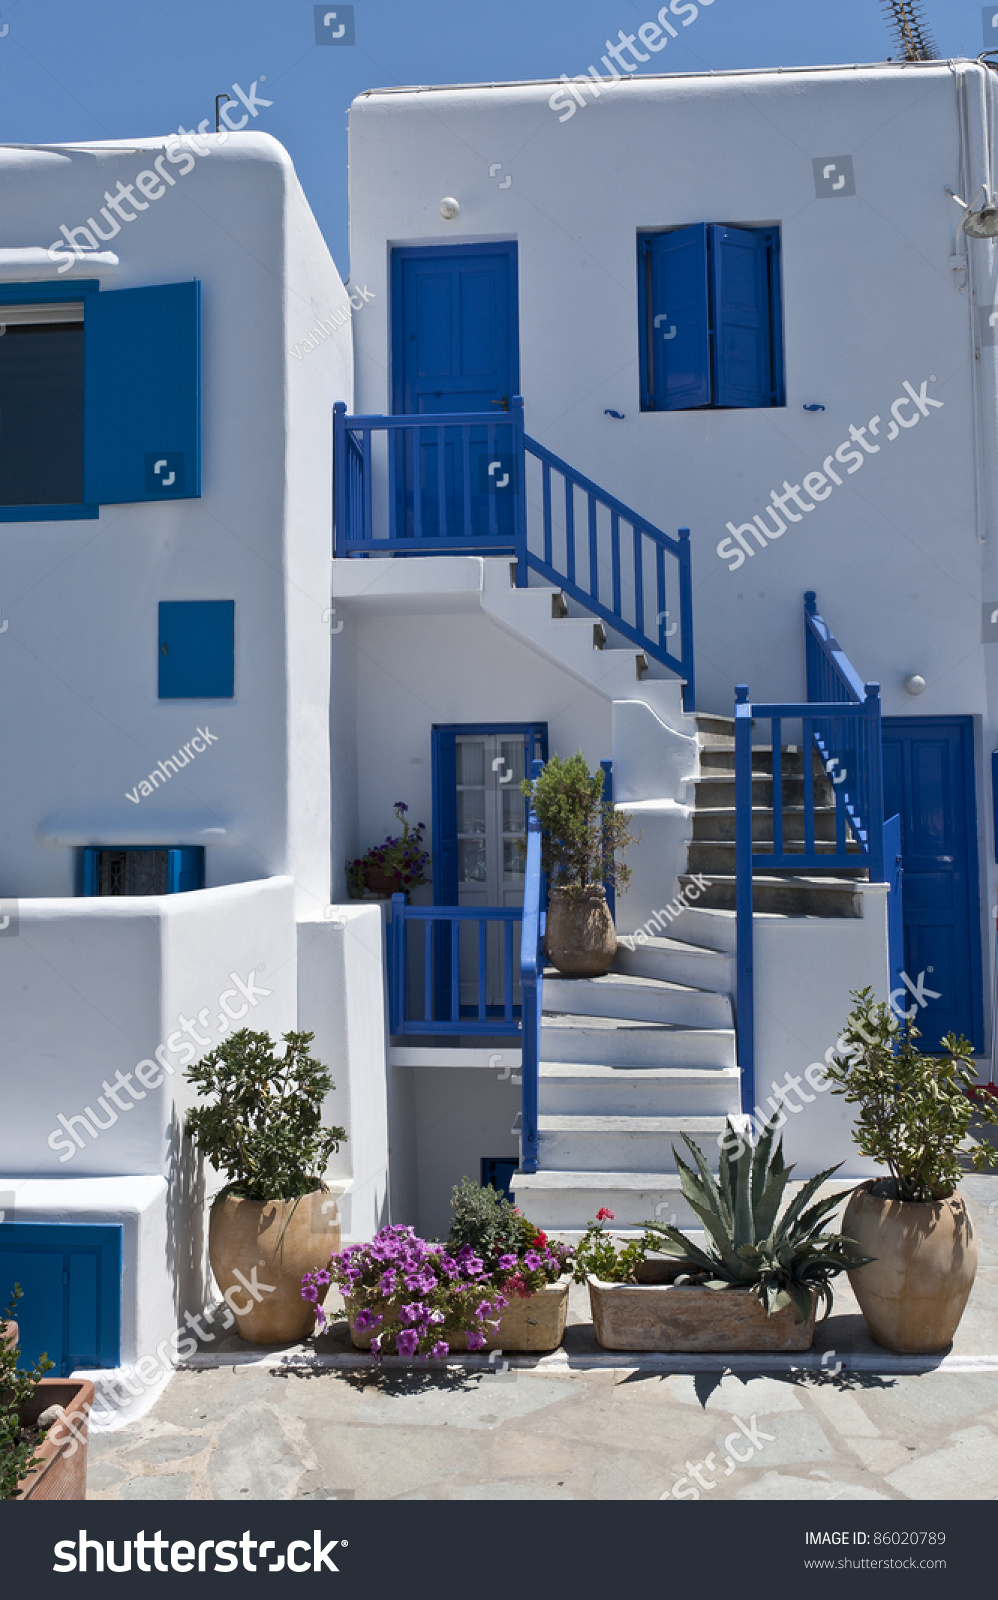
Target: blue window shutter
(197, 649)
(444, 817)
(185, 870)
(70, 1273)
(743, 264)
(142, 394)
(91, 872)
(675, 323)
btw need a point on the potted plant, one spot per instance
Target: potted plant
(406, 1297)
(914, 1113)
(274, 1220)
(43, 1425)
(527, 1267)
(394, 867)
(582, 834)
(757, 1282)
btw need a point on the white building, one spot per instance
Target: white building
(736, 303)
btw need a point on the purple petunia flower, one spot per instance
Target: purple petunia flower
(476, 1341)
(507, 1262)
(532, 1260)
(407, 1342)
(440, 1350)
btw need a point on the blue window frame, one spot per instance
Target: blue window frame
(118, 401)
(70, 1275)
(711, 319)
(142, 869)
(197, 649)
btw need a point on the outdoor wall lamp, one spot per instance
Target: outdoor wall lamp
(915, 683)
(449, 208)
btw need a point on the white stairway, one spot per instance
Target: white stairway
(630, 1062)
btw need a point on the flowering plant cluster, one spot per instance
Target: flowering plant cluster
(411, 1294)
(402, 858)
(598, 1256)
(519, 1256)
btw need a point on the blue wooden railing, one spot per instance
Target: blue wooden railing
(424, 984)
(467, 483)
(841, 721)
(531, 985)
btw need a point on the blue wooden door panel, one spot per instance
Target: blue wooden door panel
(142, 394)
(929, 782)
(71, 1277)
(185, 869)
(197, 649)
(454, 349)
(676, 357)
(743, 365)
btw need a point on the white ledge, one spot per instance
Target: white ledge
(34, 261)
(139, 826)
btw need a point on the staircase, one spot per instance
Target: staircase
(632, 1060)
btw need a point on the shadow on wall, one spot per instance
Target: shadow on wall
(187, 1232)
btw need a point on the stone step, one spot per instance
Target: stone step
(661, 954)
(715, 733)
(622, 1143)
(712, 857)
(721, 759)
(808, 896)
(565, 1202)
(588, 1090)
(718, 789)
(620, 1042)
(636, 999)
(718, 823)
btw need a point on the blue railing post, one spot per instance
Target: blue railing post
(520, 512)
(744, 996)
(811, 691)
(895, 918)
(531, 987)
(606, 767)
(340, 533)
(686, 617)
(875, 784)
(397, 965)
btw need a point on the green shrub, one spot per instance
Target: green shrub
(915, 1110)
(17, 1388)
(582, 831)
(264, 1130)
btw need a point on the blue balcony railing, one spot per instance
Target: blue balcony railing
(470, 483)
(452, 969)
(841, 722)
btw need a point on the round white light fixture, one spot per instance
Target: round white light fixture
(982, 224)
(449, 208)
(915, 683)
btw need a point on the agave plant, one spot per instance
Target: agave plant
(782, 1259)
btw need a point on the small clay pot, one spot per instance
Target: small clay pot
(581, 940)
(379, 882)
(260, 1250)
(915, 1291)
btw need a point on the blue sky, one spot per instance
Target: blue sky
(120, 68)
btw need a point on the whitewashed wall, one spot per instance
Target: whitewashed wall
(80, 598)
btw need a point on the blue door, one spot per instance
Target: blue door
(455, 349)
(929, 783)
(70, 1277)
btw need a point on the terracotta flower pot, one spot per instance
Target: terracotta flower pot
(581, 940)
(62, 1454)
(379, 882)
(914, 1293)
(534, 1323)
(260, 1250)
(642, 1316)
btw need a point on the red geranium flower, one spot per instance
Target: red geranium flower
(604, 1215)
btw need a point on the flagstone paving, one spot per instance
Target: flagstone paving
(260, 1431)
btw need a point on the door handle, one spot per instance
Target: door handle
(504, 402)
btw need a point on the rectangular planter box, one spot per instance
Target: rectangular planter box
(62, 1474)
(637, 1316)
(537, 1323)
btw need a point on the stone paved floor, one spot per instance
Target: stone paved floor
(567, 1431)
